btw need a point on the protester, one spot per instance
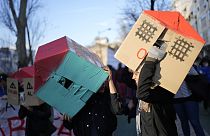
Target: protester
(157, 111)
(37, 120)
(3, 101)
(97, 117)
(3, 84)
(187, 108)
(138, 107)
(204, 69)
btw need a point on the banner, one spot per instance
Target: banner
(11, 125)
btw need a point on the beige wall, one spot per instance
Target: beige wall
(101, 51)
(101, 46)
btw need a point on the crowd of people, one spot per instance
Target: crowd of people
(125, 92)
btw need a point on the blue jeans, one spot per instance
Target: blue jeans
(189, 111)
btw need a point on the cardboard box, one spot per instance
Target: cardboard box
(72, 77)
(183, 46)
(23, 97)
(12, 91)
(30, 99)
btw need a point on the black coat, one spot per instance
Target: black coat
(160, 121)
(97, 117)
(37, 120)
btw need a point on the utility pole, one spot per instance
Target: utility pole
(100, 32)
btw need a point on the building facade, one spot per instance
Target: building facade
(8, 60)
(197, 12)
(105, 51)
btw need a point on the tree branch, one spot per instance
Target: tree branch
(11, 5)
(22, 13)
(33, 6)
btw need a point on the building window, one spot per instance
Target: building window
(208, 36)
(203, 22)
(200, 3)
(205, 35)
(191, 13)
(204, 6)
(209, 15)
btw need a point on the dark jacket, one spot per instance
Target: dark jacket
(97, 117)
(160, 121)
(37, 120)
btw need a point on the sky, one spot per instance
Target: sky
(80, 20)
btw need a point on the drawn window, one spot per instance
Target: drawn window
(180, 49)
(146, 31)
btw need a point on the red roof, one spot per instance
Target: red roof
(48, 58)
(175, 21)
(24, 72)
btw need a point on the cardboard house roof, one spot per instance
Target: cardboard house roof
(175, 21)
(48, 58)
(25, 72)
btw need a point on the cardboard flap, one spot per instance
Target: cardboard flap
(82, 72)
(55, 94)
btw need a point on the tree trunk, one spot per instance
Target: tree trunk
(21, 49)
(30, 57)
(21, 39)
(152, 4)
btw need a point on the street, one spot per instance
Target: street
(126, 129)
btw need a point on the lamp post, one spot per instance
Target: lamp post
(100, 32)
(102, 41)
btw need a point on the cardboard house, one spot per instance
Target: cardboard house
(12, 91)
(30, 99)
(67, 75)
(183, 46)
(26, 96)
(22, 97)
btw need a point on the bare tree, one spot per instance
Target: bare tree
(135, 7)
(16, 15)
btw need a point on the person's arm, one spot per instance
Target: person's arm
(112, 87)
(115, 100)
(147, 89)
(23, 112)
(44, 113)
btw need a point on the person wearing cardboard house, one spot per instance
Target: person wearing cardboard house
(38, 121)
(156, 103)
(204, 69)
(97, 117)
(3, 84)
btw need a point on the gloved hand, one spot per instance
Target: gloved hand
(156, 53)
